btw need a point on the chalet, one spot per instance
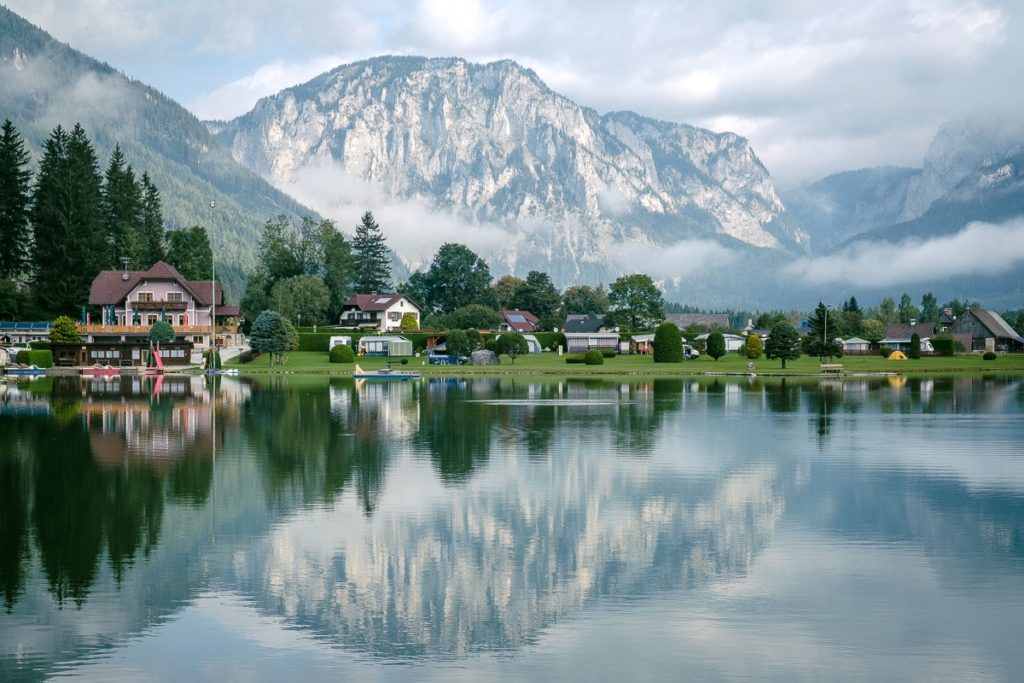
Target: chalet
(382, 312)
(578, 324)
(733, 342)
(130, 302)
(517, 321)
(855, 346)
(988, 331)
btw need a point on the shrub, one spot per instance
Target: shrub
(457, 343)
(213, 361)
(915, 346)
(45, 344)
(65, 331)
(989, 355)
(593, 357)
(246, 357)
(609, 353)
(885, 351)
(161, 332)
(716, 345)
(574, 360)
(943, 346)
(668, 344)
(754, 348)
(41, 358)
(342, 353)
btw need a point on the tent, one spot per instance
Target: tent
(897, 355)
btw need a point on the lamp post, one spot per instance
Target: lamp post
(213, 286)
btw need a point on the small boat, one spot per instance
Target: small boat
(385, 373)
(24, 370)
(98, 370)
(229, 371)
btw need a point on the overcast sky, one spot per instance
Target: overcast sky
(816, 87)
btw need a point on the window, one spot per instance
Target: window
(197, 339)
(151, 319)
(145, 296)
(174, 296)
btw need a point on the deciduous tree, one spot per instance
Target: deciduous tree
(511, 344)
(457, 277)
(635, 300)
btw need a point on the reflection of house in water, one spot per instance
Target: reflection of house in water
(154, 420)
(385, 404)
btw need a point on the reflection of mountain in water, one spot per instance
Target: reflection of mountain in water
(440, 519)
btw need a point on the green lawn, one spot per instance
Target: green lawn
(308, 362)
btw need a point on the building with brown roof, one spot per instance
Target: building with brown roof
(707, 321)
(130, 302)
(988, 331)
(518, 321)
(382, 312)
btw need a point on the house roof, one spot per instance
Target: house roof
(583, 324)
(375, 302)
(708, 320)
(900, 330)
(111, 287)
(520, 321)
(229, 311)
(856, 340)
(994, 323)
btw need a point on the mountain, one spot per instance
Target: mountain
(848, 203)
(44, 83)
(568, 189)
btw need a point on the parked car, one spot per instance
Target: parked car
(445, 359)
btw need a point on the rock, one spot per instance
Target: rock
(484, 358)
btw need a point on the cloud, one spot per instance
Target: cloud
(239, 96)
(688, 257)
(816, 88)
(413, 231)
(978, 249)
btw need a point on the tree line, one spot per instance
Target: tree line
(63, 224)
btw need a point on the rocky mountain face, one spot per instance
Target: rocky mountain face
(493, 145)
(45, 83)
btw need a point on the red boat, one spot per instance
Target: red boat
(100, 371)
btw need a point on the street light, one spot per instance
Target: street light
(213, 284)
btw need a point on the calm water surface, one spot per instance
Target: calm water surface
(317, 529)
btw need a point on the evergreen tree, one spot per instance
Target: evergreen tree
(716, 345)
(338, 273)
(783, 343)
(930, 312)
(122, 208)
(825, 326)
(668, 344)
(372, 260)
(907, 310)
(189, 251)
(67, 222)
(15, 235)
(150, 242)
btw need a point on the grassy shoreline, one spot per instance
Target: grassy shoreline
(316, 363)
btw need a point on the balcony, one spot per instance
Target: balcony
(160, 305)
(144, 329)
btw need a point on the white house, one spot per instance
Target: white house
(733, 342)
(580, 342)
(855, 346)
(382, 312)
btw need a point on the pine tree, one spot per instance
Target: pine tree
(15, 235)
(67, 222)
(372, 260)
(122, 208)
(150, 241)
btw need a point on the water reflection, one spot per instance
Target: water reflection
(442, 518)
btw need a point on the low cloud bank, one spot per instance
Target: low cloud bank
(687, 257)
(978, 249)
(412, 230)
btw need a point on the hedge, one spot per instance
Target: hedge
(574, 360)
(41, 358)
(342, 354)
(943, 346)
(608, 353)
(550, 340)
(39, 345)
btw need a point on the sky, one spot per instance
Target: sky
(816, 87)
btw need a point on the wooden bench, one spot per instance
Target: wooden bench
(831, 367)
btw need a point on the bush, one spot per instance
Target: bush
(45, 344)
(550, 340)
(213, 361)
(943, 346)
(988, 355)
(41, 358)
(716, 345)
(885, 351)
(754, 348)
(668, 344)
(246, 357)
(574, 360)
(457, 343)
(915, 346)
(342, 353)
(64, 331)
(609, 353)
(593, 357)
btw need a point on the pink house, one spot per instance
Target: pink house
(130, 302)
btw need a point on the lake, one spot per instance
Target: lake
(317, 529)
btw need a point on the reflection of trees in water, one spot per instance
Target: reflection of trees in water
(14, 532)
(456, 430)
